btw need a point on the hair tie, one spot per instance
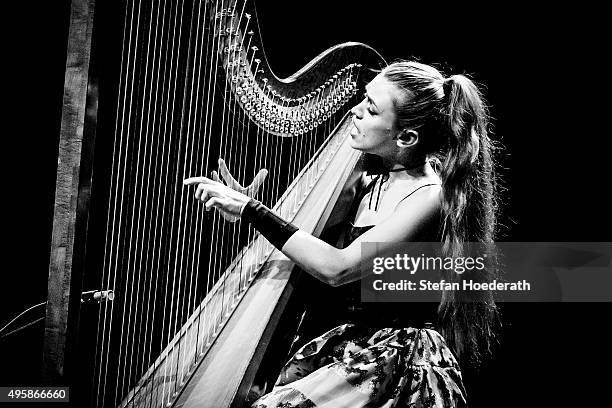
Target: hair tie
(447, 85)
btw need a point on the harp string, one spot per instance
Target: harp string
(218, 229)
(299, 146)
(122, 132)
(165, 164)
(141, 249)
(215, 221)
(265, 136)
(210, 94)
(246, 130)
(314, 133)
(167, 190)
(200, 218)
(239, 127)
(259, 156)
(125, 130)
(200, 170)
(101, 343)
(196, 242)
(136, 306)
(212, 258)
(299, 159)
(277, 157)
(236, 132)
(151, 301)
(194, 166)
(228, 231)
(240, 147)
(184, 206)
(151, 293)
(284, 104)
(222, 248)
(244, 142)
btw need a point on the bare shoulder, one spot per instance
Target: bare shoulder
(413, 218)
(426, 198)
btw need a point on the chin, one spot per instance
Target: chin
(355, 144)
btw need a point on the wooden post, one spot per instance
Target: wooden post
(71, 198)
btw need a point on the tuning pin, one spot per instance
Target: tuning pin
(247, 15)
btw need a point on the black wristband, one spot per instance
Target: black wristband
(274, 228)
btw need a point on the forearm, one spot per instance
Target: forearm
(312, 254)
(316, 257)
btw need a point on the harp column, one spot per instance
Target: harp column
(72, 193)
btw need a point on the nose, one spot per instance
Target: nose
(357, 111)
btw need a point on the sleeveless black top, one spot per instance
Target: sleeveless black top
(340, 305)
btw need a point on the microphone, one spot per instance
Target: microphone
(97, 296)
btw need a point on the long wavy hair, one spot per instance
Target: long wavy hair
(452, 120)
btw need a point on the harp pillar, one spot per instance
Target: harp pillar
(73, 188)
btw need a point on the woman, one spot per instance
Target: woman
(429, 134)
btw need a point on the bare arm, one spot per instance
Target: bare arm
(327, 263)
(339, 266)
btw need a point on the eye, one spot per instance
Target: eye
(369, 105)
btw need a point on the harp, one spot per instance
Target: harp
(185, 304)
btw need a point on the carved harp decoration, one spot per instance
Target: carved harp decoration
(184, 302)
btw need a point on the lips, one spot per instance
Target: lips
(354, 124)
(354, 131)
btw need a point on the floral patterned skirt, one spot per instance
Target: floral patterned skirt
(350, 366)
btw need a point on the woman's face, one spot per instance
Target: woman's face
(374, 119)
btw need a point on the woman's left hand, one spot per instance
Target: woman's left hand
(228, 201)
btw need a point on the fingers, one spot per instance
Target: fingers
(227, 177)
(259, 179)
(215, 176)
(206, 191)
(221, 204)
(196, 180)
(199, 190)
(213, 202)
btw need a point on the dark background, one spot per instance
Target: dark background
(545, 75)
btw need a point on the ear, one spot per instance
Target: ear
(407, 138)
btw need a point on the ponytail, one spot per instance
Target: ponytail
(467, 319)
(452, 120)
